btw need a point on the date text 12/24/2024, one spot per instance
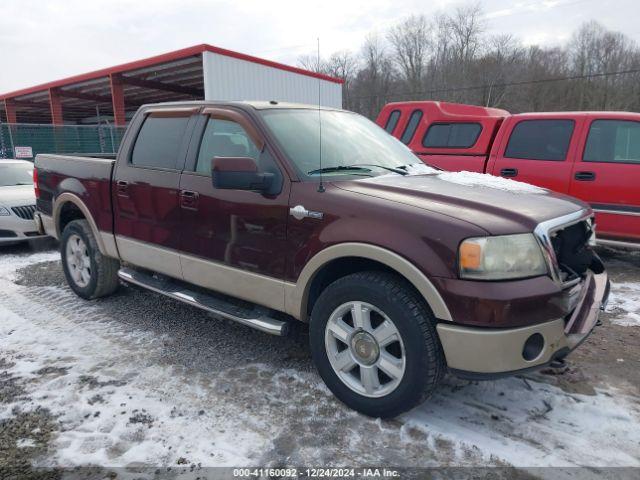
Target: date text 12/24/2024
(316, 472)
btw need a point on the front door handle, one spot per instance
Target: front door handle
(189, 199)
(509, 172)
(122, 188)
(585, 176)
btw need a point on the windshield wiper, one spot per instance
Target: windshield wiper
(337, 168)
(391, 169)
(358, 166)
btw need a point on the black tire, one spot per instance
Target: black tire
(425, 364)
(103, 270)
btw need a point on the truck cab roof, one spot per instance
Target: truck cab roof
(255, 104)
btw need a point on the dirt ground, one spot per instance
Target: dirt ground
(137, 382)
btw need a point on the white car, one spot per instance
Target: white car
(17, 202)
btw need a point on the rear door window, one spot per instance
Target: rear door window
(412, 125)
(540, 140)
(392, 121)
(613, 141)
(159, 142)
(451, 135)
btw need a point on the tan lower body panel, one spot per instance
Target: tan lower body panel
(260, 289)
(482, 350)
(249, 286)
(146, 255)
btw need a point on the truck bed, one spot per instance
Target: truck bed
(88, 178)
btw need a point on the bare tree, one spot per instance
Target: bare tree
(411, 41)
(311, 63)
(343, 65)
(448, 57)
(466, 28)
(376, 76)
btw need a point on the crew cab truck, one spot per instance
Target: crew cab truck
(402, 275)
(594, 156)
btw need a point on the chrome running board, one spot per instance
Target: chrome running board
(252, 317)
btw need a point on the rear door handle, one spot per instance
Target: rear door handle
(189, 199)
(509, 172)
(122, 188)
(585, 176)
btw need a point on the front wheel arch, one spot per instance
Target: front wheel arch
(297, 297)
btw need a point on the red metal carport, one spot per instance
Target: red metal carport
(114, 94)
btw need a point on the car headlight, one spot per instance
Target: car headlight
(501, 257)
(4, 212)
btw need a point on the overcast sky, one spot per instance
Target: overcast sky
(44, 40)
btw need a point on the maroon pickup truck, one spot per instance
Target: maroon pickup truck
(403, 272)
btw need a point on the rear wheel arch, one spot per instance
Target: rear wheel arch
(69, 207)
(339, 260)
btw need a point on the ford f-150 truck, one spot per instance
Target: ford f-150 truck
(594, 156)
(249, 211)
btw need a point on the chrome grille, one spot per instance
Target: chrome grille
(545, 232)
(25, 212)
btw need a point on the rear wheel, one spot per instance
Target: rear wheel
(89, 273)
(374, 343)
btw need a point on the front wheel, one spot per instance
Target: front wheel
(89, 273)
(374, 343)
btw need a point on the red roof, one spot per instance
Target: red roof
(165, 57)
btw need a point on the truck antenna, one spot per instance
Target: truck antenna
(321, 184)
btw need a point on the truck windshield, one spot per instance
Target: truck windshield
(351, 144)
(16, 174)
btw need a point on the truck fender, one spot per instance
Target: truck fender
(105, 241)
(297, 295)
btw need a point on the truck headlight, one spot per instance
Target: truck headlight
(501, 257)
(4, 212)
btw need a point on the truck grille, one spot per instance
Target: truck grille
(25, 212)
(573, 252)
(566, 245)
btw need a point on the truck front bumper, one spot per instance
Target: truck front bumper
(475, 352)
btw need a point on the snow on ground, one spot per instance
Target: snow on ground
(119, 399)
(626, 297)
(115, 407)
(540, 426)
(10, 263)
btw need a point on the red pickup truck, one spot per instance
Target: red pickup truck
(594, 156)
(402, 273)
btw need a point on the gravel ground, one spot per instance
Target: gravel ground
(138, 380)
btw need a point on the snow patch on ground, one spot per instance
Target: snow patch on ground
(625, 297)
(25, 443)
(536, 424)
(115, 405)
(10, 263)
(115, 408)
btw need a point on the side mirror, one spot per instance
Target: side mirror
(239, 173)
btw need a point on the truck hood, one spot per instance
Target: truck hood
(17, 195)
(497, 205)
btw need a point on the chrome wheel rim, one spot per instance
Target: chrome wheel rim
(78, 261)
(365, 349)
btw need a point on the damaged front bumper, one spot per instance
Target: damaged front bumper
(481, 353)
